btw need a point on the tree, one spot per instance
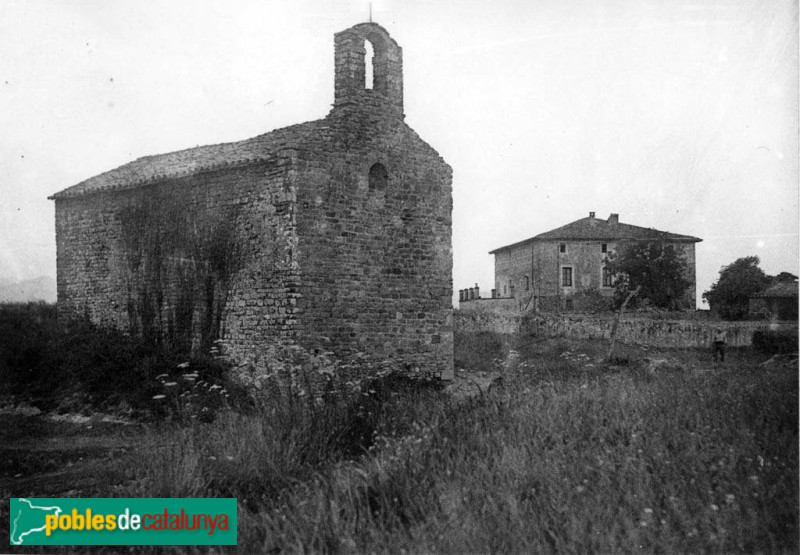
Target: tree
(657, 269)
(784, 277)
(737, 282)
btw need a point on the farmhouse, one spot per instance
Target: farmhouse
(332, 235)
(565, 268)
(778, 301)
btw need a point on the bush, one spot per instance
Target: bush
(592, 300)
(774, 342)
(78, 366)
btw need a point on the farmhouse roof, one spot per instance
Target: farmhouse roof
(149, 169)
(785, 289)
(596, 229)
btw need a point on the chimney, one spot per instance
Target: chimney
(613, 219)
(591, 214)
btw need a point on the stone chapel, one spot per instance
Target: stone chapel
(332, 235)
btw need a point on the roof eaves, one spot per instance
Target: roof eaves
(134, 184)
(544, 237)
(518, 243)
(294, 140)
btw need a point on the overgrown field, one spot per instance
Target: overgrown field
(566, 454)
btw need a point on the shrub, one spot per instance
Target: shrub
(772, 342)
(592, 300)
(77, 366)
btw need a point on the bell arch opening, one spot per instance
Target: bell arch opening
(367, 58)
(369, 70)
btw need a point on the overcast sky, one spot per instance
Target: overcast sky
(682, 116)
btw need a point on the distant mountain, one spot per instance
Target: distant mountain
(39, 289)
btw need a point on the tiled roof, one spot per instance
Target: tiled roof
(596, 229)
(784, 289)
(194, 160)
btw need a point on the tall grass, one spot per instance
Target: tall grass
(480, 351)
(568, 456)
(258, 454)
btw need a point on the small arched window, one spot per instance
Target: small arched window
(378, 177)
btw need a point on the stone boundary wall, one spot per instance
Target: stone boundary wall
(635, 330)
(653, 332)
(475, 322)
(494, 306)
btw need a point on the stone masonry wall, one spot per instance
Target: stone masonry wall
(376, 262)
(387, 63)
(188, 260)
(541, 262)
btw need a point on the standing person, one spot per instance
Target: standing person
(718, 344)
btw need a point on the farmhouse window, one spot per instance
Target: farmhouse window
(527, 282)
(604, 247)
(607, 278)
(566, 277)
(562, 248)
